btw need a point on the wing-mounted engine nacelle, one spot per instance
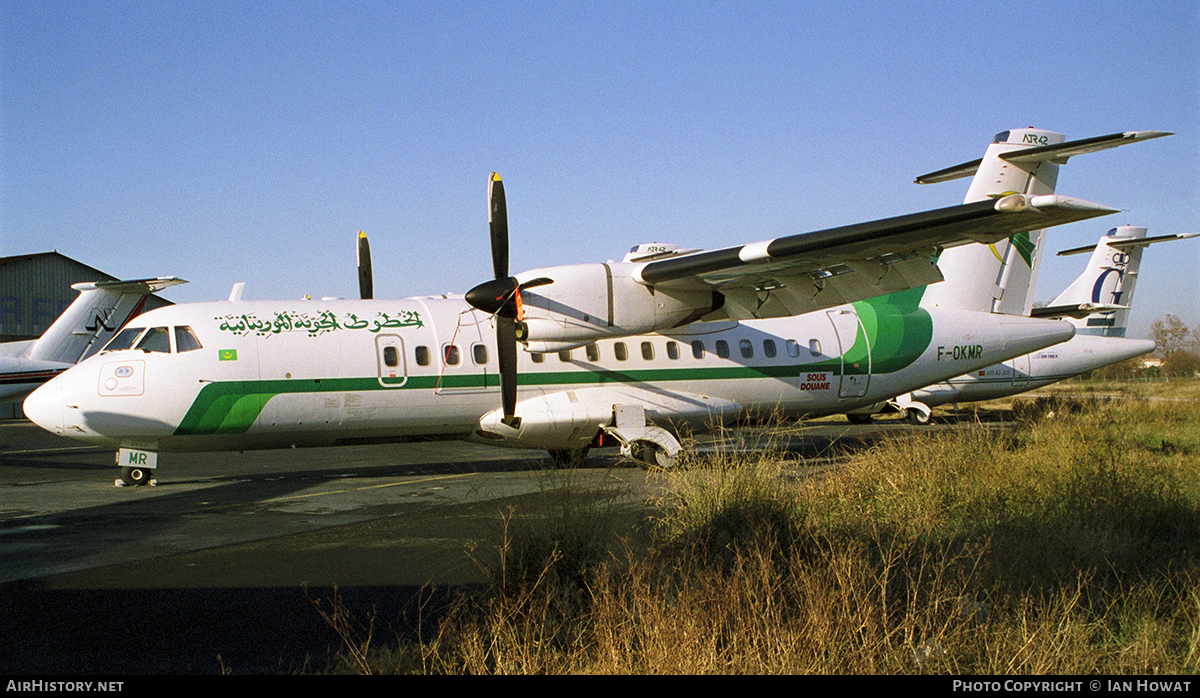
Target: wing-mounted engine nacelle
(570, 420)
(588, 302)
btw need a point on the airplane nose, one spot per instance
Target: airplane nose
(44, 407)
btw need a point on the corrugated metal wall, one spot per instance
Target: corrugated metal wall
(35, 289)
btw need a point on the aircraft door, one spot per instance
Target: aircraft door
(1021, 371)
(855, 354)
(390, 358)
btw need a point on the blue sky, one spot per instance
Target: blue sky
(250, 141)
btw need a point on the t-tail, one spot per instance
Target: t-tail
(1099, 300)
(999, 278)
(102, 308)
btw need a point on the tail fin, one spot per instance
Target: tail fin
(998, 278)
(102, 308)
(1099, 300)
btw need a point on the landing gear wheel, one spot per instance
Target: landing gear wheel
(136, 477)
(651, 457)
(569, 457)
(918, 417)
(859, 418)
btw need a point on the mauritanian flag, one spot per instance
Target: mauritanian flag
(227, 354)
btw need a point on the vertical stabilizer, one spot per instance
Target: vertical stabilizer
(997, 278)
(1107, 285)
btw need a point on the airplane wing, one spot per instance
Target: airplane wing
(810, 271)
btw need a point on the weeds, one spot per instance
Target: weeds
(1067, 545)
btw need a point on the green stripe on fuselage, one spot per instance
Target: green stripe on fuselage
(899, 333)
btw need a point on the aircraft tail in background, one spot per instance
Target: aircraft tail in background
(1099, 300)
(102, 308)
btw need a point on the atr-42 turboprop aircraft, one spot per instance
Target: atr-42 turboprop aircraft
(663, 339)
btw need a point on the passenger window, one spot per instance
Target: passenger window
(564, 355)
(673, 351)
(451, 354)
(769, 348)
(538, 357)
(793, 348)
(593, 352)
(746, 347)
(722, 349)
(697, 349)
(479, 353)
(647, 351)
(124, 339)
(391, 357)
(814, 347)
(422, 356)
(620, 351)
(156, 341)
(186, 340)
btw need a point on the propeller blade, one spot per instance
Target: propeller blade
(362, 256)
(498, 224)
(506, 348)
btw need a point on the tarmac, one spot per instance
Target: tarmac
(224, 566)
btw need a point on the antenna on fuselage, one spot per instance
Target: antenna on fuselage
(235, 293)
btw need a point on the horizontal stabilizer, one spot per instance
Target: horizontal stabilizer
(1077, 311)
(132, 286)
(1129, 243)
(1057, 153)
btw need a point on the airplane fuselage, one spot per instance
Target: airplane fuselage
(260, 374)
(1038, 369)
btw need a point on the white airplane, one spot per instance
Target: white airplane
(664, 339)
(1097, 303)
(101, 308)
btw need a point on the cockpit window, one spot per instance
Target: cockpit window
(124, 339)
(186, 340)
(156, 340)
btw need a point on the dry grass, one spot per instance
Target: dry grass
(1067, 545)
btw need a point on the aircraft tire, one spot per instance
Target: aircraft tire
(650, 457)
(919, 418)
(136, 477)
